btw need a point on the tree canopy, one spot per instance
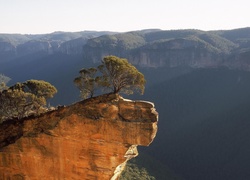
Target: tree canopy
(114, 74)
(121, 76)
(87, 82)
(23, 99)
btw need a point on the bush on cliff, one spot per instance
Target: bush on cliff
(132, 171)
(24, 99)
(3, 81)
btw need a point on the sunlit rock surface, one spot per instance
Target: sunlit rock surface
(91, 139)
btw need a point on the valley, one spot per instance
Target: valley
(198, 80)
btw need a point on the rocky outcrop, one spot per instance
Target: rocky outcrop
(72, 47)
(91, 139)
(175, 53)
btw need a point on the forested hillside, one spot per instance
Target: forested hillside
(157, 48)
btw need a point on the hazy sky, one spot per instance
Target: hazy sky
(46, 16)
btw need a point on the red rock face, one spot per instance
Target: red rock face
(92, 139)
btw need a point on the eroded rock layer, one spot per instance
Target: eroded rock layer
(88, 140)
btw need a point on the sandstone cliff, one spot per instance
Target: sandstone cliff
(91, 139)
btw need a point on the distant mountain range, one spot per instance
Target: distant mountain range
(16, 45)
(146, 48)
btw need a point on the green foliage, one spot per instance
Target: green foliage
(235, 34)
(2, 86)
(121, 76)
(133, 172)
(123, 41)
(3, 81)
(170, 34)
(39, 88)
(87, 82)
(115, 74)
(147, 167)
(218, 42)
(24, 99)
(18, 104)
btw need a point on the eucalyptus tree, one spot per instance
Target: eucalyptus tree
(121, 76)
(24, 99)
(87, 82)
(114, 74)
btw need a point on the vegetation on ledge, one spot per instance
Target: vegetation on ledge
(24, 99)
(114, 74)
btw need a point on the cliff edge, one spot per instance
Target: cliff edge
(91, 139)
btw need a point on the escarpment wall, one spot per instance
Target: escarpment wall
(91, 139)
